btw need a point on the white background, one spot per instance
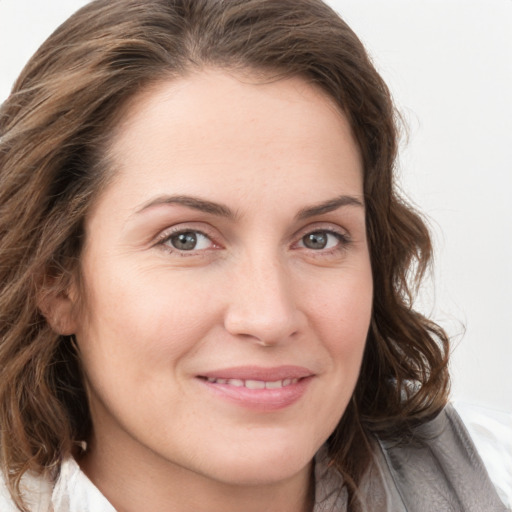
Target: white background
(449, 66)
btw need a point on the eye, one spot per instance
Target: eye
(321, 240)
(188, 241)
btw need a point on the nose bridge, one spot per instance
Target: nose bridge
(262, 304)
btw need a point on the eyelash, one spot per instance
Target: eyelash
(165, 242)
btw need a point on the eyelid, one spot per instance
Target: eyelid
(328, 227)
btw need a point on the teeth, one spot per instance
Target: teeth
(274, 385)
(254, 384)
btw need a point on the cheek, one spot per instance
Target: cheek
(147, 321)
(342, 319)
(343, 303)
(134, 344)
(341, 312)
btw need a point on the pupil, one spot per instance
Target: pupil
(315, 240)
(184, 241)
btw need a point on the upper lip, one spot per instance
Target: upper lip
(259, 373)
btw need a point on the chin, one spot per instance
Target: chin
(262, 465)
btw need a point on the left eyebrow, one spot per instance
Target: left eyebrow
(328, 206)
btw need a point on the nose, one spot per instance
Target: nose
(262, 304)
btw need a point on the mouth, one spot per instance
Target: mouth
(253, 384)
(260, 389)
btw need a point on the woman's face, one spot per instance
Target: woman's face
(227, 280)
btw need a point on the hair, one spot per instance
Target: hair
(55, 130)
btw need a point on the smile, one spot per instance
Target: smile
(254, 384)
(259, 389)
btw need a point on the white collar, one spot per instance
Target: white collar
(74, 492)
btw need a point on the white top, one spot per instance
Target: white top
(490, 431)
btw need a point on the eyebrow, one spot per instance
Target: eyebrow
(221, 210)
(328, 206)
(192, 202)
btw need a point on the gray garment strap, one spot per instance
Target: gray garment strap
(440, 471)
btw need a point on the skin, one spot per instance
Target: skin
(154, 317)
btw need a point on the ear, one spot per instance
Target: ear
(59, 307)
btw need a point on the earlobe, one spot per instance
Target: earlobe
(59, 310)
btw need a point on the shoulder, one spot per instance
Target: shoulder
(37, 493)
(72, 492)
(491, 433)
(441, 464)
(6, 502)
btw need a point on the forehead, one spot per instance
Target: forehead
(219, 131)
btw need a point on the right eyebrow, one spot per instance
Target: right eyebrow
(195, 203)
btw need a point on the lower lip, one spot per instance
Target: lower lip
(260, 399)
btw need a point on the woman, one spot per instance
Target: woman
(205, 299)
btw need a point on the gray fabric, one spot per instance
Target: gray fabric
(330, 495)
(438, 470)
(441, 470)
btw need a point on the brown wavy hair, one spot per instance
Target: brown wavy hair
(55, 129)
